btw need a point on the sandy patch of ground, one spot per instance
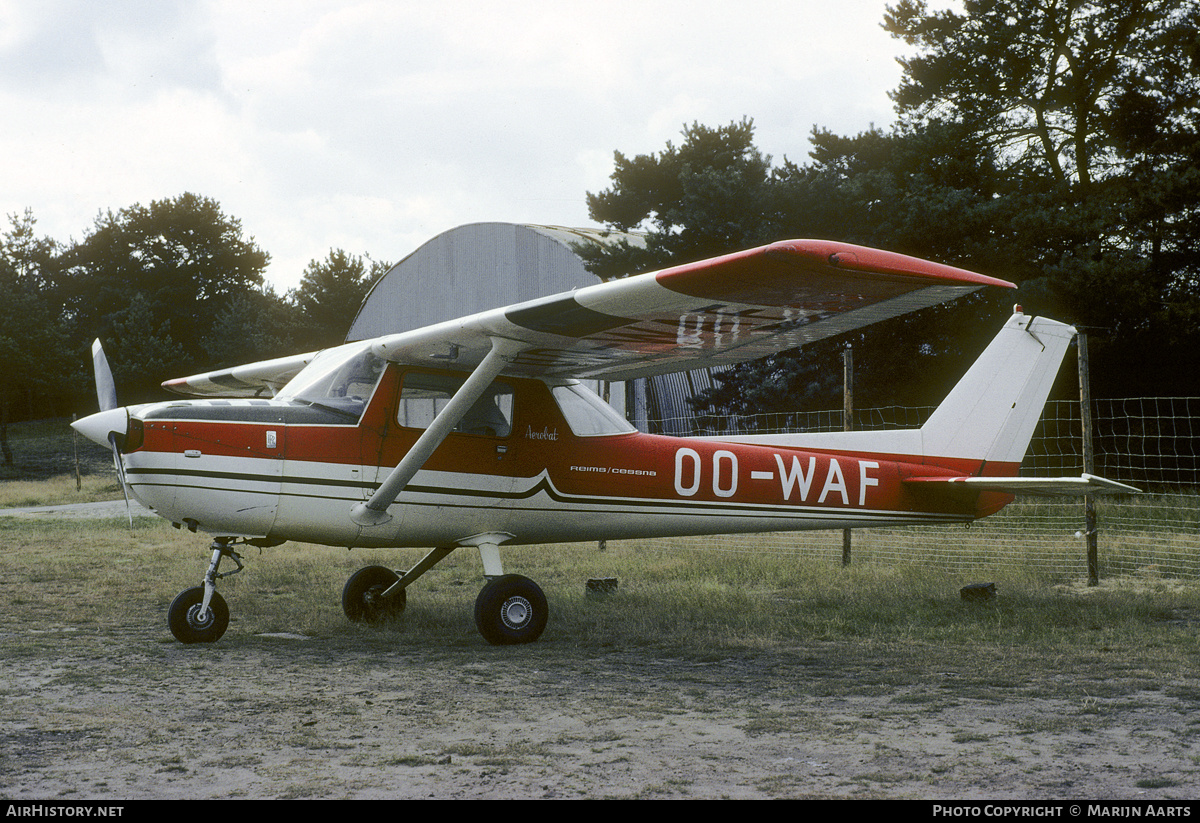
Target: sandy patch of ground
(87, 716)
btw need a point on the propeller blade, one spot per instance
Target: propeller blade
(106, 389)
(116, 451)
(106, 394)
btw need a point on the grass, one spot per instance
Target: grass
(100, 576)
(58, 491)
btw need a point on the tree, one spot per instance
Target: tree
(257, 325)
(183, 260)
(332, 291)
(705, 197)
(141, 349)
(1093, 110)
(913, 191)
(1049, 82)
(33, 349)
(1053, 143)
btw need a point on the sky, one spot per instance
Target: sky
(373, 126)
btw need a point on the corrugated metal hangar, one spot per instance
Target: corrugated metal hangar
(484, 266)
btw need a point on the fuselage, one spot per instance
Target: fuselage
(534, 464)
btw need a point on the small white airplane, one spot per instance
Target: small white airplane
(477, 432)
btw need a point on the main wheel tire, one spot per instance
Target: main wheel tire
(361, 600)
(510, 610)
(186, 625)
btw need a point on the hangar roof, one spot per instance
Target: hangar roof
(474, 268)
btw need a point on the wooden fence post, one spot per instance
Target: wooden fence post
(847, 425)
(1089, 462)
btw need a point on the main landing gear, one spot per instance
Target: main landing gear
(509, 610)
(199, 614)
(363, 598)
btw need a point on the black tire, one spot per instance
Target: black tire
(510, 610)
(187, 627)
(361, 599)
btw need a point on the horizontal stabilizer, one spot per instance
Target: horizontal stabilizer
(1059, 486)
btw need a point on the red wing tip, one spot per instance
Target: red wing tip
(850, 257)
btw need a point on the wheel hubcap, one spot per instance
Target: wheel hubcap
(516, 612)
(194, 619)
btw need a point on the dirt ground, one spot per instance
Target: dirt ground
(88, 717)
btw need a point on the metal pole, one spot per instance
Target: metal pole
(847, 425)
(1089, 501)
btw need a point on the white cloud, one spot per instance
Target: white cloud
(373, 126)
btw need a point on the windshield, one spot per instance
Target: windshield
(340, 380)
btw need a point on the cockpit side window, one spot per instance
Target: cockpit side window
(424, 395)
(586, 413)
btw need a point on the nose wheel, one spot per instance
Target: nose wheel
(191, 622)
(200, 614)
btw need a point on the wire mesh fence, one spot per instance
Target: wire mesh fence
(1151, 443)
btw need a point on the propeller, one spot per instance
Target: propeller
(106, 394)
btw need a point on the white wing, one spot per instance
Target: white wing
(262, 379)
(725, 310)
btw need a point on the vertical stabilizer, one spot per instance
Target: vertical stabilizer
(991, 413)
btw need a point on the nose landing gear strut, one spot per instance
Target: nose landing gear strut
(199, 614)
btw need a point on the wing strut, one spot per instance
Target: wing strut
(374, 511)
